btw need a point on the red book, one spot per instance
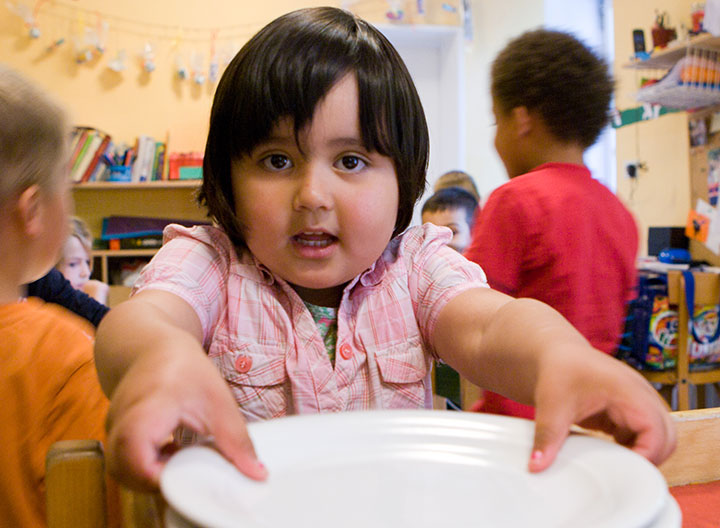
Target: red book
(96, 158)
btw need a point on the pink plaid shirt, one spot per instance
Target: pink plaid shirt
(265, 342)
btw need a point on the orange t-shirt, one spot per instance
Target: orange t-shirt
(49, 391)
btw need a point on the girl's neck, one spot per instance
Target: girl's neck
(10, 292)
(329, 297)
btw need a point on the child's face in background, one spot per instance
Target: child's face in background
(321, 216)
(75, 263)
(454, 218)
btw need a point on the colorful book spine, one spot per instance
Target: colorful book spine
(79, 144)
(82, 161)
(96, 156)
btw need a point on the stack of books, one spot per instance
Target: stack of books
(96, 158)
(88, 146)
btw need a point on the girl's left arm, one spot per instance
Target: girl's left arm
(526, 350)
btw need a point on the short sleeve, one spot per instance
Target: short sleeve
(499, 240)
(437, 274)
(194, 265)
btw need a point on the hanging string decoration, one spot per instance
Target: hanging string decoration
(196, 53)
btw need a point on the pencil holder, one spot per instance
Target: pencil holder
(119, 173)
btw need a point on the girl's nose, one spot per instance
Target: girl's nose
(313, 191)
(84, 270)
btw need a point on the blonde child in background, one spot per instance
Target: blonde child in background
(48, 384)
(316, 154)
(76, 262)
(457, 178)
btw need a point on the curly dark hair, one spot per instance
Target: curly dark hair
(555, 74)
(284, 71)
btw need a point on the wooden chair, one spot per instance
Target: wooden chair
(76, 494)
(707, 291)
(697, 456)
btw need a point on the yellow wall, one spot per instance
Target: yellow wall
(660, 196)
(133, 103)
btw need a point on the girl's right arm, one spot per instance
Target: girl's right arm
(152, 366)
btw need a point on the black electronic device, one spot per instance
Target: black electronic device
(639, 40)
(660, 238)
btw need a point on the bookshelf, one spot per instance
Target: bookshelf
(166, 199)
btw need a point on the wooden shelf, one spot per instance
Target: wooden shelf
(124, 252)
(160, 184)
(118, 292)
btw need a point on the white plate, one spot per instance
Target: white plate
(414, 468)
(670, 516)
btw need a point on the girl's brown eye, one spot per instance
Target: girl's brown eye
(278, 161)
(350, 162)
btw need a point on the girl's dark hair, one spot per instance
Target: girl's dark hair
(556, 75)
(284, 71)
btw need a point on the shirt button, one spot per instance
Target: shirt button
(243, 363)
(345, 351)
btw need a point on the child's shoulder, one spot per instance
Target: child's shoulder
(49, 332)
(548, 178)
(53, 319)
(215, 243)
(417, 239)
(205, 234)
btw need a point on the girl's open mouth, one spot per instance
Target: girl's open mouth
(314, 239)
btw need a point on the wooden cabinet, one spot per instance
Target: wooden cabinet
(163, 199)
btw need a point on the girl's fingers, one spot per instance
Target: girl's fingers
(232, 440)
(551, 430)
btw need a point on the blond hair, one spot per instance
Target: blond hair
(80, 230)
(457, 178)
(34, 136)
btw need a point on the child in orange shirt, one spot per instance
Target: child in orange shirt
(48, 384)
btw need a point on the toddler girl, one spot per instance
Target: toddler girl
(76, 262)
(312, 295)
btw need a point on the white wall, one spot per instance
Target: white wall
(495, 23)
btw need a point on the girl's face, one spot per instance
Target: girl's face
(75, 263)
(319, 213)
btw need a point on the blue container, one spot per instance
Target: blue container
(119, 173)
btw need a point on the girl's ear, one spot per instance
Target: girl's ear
(30, 211)
(522, 120)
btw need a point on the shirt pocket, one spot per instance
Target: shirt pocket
(257, 377)
(403, 372)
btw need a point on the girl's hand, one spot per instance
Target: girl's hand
(98, 290)
(156, 396)
(609, 396)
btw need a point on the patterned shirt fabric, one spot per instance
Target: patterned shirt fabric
(263, 339)
(325, 319)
